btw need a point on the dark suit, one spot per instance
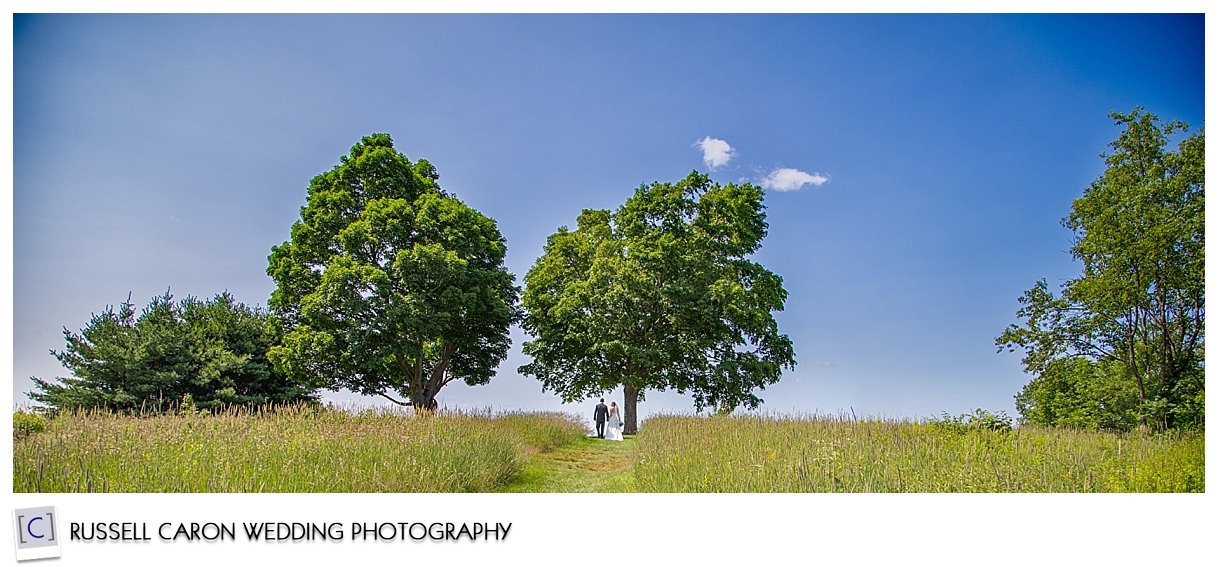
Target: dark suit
(600, 415)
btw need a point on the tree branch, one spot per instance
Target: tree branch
(390, 398)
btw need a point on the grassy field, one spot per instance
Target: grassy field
(325, 450)
(290, 450)
(760, 454)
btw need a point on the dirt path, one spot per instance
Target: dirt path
(588, 465)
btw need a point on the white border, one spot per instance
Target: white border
(655, 529)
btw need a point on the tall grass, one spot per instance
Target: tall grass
(819, 454)
(292, 449)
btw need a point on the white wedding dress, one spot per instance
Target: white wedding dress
(613, 428)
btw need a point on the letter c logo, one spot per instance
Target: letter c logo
(29, 527)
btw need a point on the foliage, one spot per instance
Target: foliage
(979, 420)
(827, 454)
(389, 284)
(1140, 301)
(26, 423)
(211, 352)
(659, 294)
(1080, 393)
(299, 448)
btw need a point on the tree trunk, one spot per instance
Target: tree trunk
(423, 388)
(1133, 367)
(631, 403)
(422, 400)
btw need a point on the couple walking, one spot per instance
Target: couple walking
(608, 421)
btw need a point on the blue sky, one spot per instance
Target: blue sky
(155, 152)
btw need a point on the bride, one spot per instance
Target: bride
(613, 428)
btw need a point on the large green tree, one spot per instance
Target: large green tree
(1140, 302)
(390, 286)
(659, 295)
(209, 353)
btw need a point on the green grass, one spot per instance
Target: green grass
(309, 449)
(587, 465)
(299, 449)
(773, 454)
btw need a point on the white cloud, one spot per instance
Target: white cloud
(788, 179)
(715, 152)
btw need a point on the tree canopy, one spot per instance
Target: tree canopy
(1137, 312)
(659, 295)
(389, 285)
(207, 353)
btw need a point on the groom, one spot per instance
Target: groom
(601, 412)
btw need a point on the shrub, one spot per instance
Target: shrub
(208, 355)
(978, 420)
(27, 423)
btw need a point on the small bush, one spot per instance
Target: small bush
(978, 420)
(27, 423)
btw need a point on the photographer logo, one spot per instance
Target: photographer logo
(36, 533)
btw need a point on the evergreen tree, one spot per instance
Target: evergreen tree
(210, 353)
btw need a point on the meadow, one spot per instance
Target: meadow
(292, 449)
(840, 454)
(313, 449)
